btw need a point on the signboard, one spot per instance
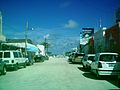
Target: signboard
(86, 34)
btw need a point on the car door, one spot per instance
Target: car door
(94, 64)
(16, 57)
(21, 57)
(1, 60)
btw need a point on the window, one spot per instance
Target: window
(1, 54)
(20, 55)
(91, 57)
(15, 54)
(108, 57)
(6, 54)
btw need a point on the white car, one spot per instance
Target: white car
(13, 59)
(87, 60)
(106, 64)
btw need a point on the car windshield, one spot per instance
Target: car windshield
(108, 57)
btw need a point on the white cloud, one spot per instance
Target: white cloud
(47, 36)
(71, 24)
(65, 4)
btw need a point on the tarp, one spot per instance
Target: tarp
(30, 47)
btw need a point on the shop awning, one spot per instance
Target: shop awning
(30, 47)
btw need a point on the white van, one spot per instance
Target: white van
(13, 59)
(106, 64)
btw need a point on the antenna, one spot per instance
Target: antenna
(100, 22)
(0, 22)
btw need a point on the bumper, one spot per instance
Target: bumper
(109, 72)
(10, 66)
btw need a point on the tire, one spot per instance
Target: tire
(97, 75)
(3, 72)
(24, 65)
(16, 67)
(83, 67)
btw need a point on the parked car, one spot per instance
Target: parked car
(70, 57)
(77, 57)
(87, 60)
(106, 64)
(2, 67)
(13, 59)
(39, 58)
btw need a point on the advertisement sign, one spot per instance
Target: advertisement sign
(86, 34)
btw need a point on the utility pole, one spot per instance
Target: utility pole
(26, 31)
(0, 23)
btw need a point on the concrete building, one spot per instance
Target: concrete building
(42, 49)
(99, 41)
(112, 39)
(2, 37)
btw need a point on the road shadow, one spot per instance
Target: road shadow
(74, 63)
(83, 69)
(90, 75)
(114, 81)
(111, 79)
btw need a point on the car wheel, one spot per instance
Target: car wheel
(16, 67)
(24, 65)
(97, 74)
(4, 71)
(83, 67)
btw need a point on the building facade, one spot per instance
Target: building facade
(112, 39)
(99, 41)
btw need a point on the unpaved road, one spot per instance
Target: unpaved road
(54, 74)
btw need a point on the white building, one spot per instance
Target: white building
(42, 49)
(2, 37)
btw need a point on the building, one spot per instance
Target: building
(112, 39)
(42, 49)
(99, 41)
(2, 37)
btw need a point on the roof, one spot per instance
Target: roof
(19, 41)
(30, 47)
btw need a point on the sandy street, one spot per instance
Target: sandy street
(54, 74)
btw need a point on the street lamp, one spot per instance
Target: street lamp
(26, 31)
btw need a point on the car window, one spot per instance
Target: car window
(1, 54)
(20, 55)
(15, 54)
(108, 57)
(91, 57)
(6, 54)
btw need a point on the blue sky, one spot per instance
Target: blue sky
(60, 20)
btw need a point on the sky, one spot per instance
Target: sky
(60, 21)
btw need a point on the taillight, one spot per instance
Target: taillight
(12, 61)
(99, 65)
